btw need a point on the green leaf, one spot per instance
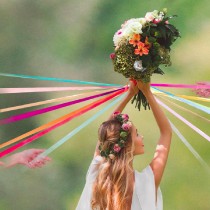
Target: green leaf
(171, 28)
(151, 39)
(163, 31)
(159, 71)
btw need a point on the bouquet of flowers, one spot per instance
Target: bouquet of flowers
(141, 45)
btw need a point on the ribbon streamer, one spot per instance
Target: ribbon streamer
(188, 145)
(76, 130)
(39, 103)
(179, 85)
(58, 80)
(56, 123)
(46, 89)
(193, 104)
(187, 110)
(184, 121)
(51, 108)
(194, 98)
(185, 96)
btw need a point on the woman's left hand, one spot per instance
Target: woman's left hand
(133, 88)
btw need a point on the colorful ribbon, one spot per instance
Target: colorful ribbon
(188, 145)
(39, 103)
(58, 80)
(76, 130)
(184, 121)
(25, 115)
(179, 85)
(193, 104)
(184, 109)
(184, 96)
(56, 123)
(101, 84)
(194, 98)
(46, 89)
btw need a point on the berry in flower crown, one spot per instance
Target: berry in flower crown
(115, 148)
(142, 45)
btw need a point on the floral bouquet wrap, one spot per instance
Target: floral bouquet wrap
(141, 46)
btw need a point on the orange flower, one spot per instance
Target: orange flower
(147, 44)
(142, 49)
(135, 40)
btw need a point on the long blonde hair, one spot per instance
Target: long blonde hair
(112, 184)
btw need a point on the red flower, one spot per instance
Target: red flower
(112, 56)
(117, 148)
(116, 113)
(156, 21)
(125, 117)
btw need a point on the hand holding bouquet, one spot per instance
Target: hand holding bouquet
(141, 45)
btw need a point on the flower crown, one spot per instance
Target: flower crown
(116, 147)
(142, 44)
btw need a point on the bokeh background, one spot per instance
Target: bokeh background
(73, 39)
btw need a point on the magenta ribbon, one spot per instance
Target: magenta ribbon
(38, 135)
(179, 85)
(51, 108)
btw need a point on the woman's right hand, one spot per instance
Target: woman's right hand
(144, 87)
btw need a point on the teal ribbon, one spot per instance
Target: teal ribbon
(58, 80)
(190, 103)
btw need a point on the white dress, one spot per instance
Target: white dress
(143, 192)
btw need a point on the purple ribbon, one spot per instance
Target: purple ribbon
(51, 108)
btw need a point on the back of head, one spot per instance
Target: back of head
(111, 186)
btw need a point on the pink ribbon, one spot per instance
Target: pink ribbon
(179, 85)
(47, 89)
(38, 135)
(51, 108)
(200, 132)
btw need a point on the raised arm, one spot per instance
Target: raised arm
(133, 89)
(161, 154)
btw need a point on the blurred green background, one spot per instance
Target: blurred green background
(73, 39)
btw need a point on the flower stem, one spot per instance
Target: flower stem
(140, 100)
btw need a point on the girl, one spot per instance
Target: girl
(111, 182)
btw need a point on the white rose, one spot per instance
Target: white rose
(155, 13)
(131, 29)
(142, 21)
(149, 16)
(138, 66)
